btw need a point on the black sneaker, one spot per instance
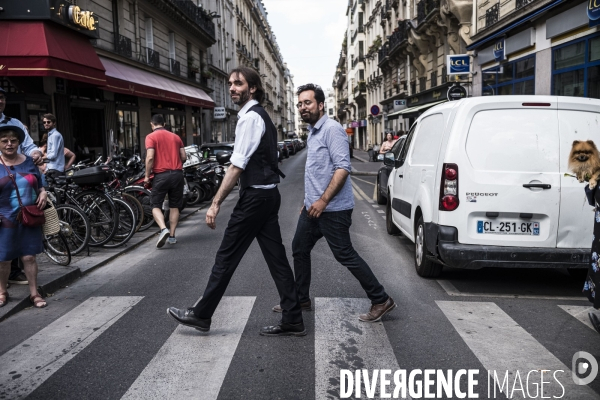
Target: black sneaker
(284, 330)
(20, 279)
(188, 318)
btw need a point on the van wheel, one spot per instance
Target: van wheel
(424, 266)
(389, 225)
(380, 198)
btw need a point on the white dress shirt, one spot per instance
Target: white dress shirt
(248, 134)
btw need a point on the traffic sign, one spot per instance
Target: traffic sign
(375, 110)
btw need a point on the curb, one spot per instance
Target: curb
(77, 273)
(360, 159)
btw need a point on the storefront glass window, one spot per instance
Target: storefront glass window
(515, 77)
(176, 124)
(569, 56)
(128, 137)
(576, 69)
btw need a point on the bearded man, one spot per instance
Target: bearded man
(254, 163)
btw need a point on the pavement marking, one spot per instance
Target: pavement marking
(581, 313)
(362, 180)
(191, 362)
(505, 348)
(381, 211)
(375, 205)
(363, 194)
(358, 196)
(375, 193)
(383, 217)
(451, 290)
(29, 364)
(343, 342)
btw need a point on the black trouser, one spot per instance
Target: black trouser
(254, 216)
(335, 227)
(15, 269)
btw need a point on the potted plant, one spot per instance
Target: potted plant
(192, 66)
(206, 74)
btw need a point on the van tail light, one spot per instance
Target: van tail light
(449, 188)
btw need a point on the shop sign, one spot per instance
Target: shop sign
(499, 50)
(593, 12)
(437, 94)
(362, 122)
(456, 92)
(84, 19)
(375, 110)
(355, 124)
(458, 64)
(349, 131)
(219, 113)
(399, 105)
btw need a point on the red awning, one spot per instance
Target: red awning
(34, 48)
(126, 79)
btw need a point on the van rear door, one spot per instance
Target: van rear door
(576, 121)
(510, 186)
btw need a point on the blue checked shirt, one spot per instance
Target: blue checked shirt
(327, 151)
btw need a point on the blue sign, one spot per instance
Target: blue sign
(375, 110)
(593, 13)
(499, 50)
(459, 64)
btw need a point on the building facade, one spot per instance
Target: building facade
(399, 50)
(104, 67)
(536, 47)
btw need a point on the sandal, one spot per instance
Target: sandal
(37, 301)
(3, 299)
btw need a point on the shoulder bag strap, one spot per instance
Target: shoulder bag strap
(12, 177)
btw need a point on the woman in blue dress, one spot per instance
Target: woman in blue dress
(17, 240)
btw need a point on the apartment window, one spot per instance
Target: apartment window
(576, 68)
(516, 77)
(172, 46)
(149, 34)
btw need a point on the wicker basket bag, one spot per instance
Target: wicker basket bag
(52, 225)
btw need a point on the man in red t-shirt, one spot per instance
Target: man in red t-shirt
(165, 155)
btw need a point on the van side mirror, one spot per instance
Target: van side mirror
(398, 163)
(388, 159)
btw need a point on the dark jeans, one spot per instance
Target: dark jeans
(335, 227)
(254, 216)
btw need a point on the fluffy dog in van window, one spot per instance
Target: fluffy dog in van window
(584, 162)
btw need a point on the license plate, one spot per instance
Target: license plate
(509, 227)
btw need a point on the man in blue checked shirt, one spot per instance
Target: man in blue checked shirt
(55, 153)
(328, 205)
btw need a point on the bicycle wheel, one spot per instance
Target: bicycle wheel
(57, 249)
(127, 224)
(102, 213)
(137, 207)
(74, 226)
(144, 197)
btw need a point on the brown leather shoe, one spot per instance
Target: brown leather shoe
(305, 307)
(377, 311)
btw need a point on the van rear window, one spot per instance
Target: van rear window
(524, 140)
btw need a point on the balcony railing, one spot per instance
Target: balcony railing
(360, 29)
(153, 58)
(426, 7)
(175, 67)
(492, 14)
(200, 17)
(522, 3)
(355, 62)
(124, 46)
(360, 88)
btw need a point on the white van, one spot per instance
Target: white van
(480, 183)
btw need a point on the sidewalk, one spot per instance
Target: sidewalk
(52, 277)
(361, 164)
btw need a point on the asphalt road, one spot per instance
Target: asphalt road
(108, 337)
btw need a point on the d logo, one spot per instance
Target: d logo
(580, 367)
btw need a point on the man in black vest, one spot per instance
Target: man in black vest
(254, 162)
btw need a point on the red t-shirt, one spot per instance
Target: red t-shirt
(166, 147)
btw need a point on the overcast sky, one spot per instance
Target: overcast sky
(310, 35)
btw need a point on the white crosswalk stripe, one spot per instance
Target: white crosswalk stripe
(33, 361)
(343, 342)
(192, 363)
(502, 345)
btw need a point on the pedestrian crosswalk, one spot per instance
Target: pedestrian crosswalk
(190, 362)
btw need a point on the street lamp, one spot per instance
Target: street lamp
(214, 15)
